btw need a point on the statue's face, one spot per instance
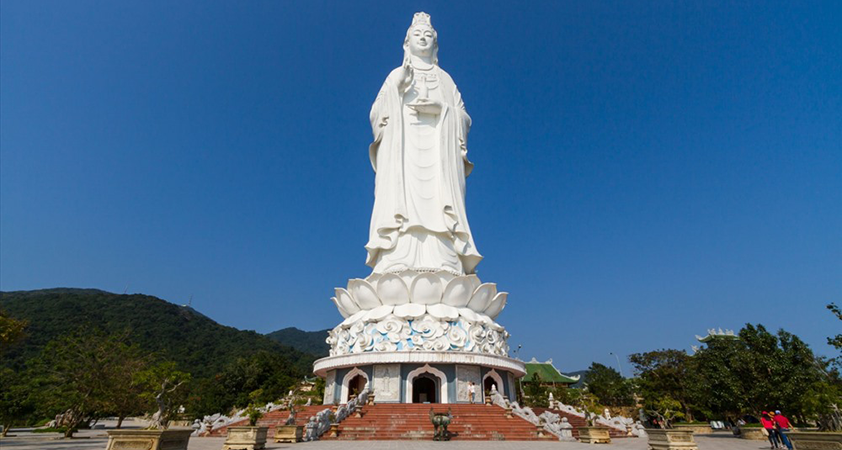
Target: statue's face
(421, 41)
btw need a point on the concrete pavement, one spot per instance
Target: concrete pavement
(97, 440)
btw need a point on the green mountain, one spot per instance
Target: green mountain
(196, 343)
(306, 341)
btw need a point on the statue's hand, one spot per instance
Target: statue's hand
(407, 74)
(426, 106)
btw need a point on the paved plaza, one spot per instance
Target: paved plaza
(97, 440)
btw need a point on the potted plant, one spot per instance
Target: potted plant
(289, 431)
(752, 431)
(591, 434)
(165, 386)
(251, 437)
(671, 439)
(695, 427)
(815, 440)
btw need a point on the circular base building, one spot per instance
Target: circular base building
(422, 338)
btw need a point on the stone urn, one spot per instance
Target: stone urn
(289, 433)
(700, 428)
(246, 438)
(594, 435)
(172, 439)
(752, 433)
(673, 439)
(814, 440)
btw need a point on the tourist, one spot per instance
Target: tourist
(471, 391)
(783, 426)
(769, 426)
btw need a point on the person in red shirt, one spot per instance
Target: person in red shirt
(769, 425)
(783, 426)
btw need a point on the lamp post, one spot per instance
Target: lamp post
(618, 363)
(519, 380)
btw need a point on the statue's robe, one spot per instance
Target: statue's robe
(391, 219)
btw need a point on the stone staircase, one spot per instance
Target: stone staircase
(578, 421)
(273, 419)
(386, 421)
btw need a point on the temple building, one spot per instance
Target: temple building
(547, 374)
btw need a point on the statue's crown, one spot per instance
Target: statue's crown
(421, 18)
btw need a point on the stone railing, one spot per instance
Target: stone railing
(559, 426)
(620, 423)
(318, 425)
(321, 422)
(209, 424)
(551, 422)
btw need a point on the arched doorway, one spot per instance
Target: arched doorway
(356, 385)
(486, 385)
(493, 378)
(424, 389)
(352, 383)
(439, 383)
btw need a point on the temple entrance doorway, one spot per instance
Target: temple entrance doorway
(356, 385)
(486, 385)
(424, 388)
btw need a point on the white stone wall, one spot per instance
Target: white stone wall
(465, 374)
(387, 379)
(330, 384)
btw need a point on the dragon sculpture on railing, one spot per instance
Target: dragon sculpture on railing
(321, 422)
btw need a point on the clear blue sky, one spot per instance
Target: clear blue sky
(644, 170)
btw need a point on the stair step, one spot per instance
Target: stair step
(412, 422)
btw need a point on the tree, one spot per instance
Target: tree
(167, 387)
(89, 374)
(609, 387)
(835, 341)
(762, 371)
(666, 409)
(76, 378)
(663, 374)
(588, 403)
(566, 395)
(535, 393)
(715, 386)
(831, 420)
(15, 401)
(11, 331)
(125, 388)
(15, 398)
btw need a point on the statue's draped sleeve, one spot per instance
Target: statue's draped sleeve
(455, 125)
(385, 152)
(464, 127)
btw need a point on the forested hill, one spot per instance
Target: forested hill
(305, 341)
(196, 343)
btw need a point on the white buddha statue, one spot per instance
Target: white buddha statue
(419, 155)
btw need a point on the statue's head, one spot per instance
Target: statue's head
(421, 38)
